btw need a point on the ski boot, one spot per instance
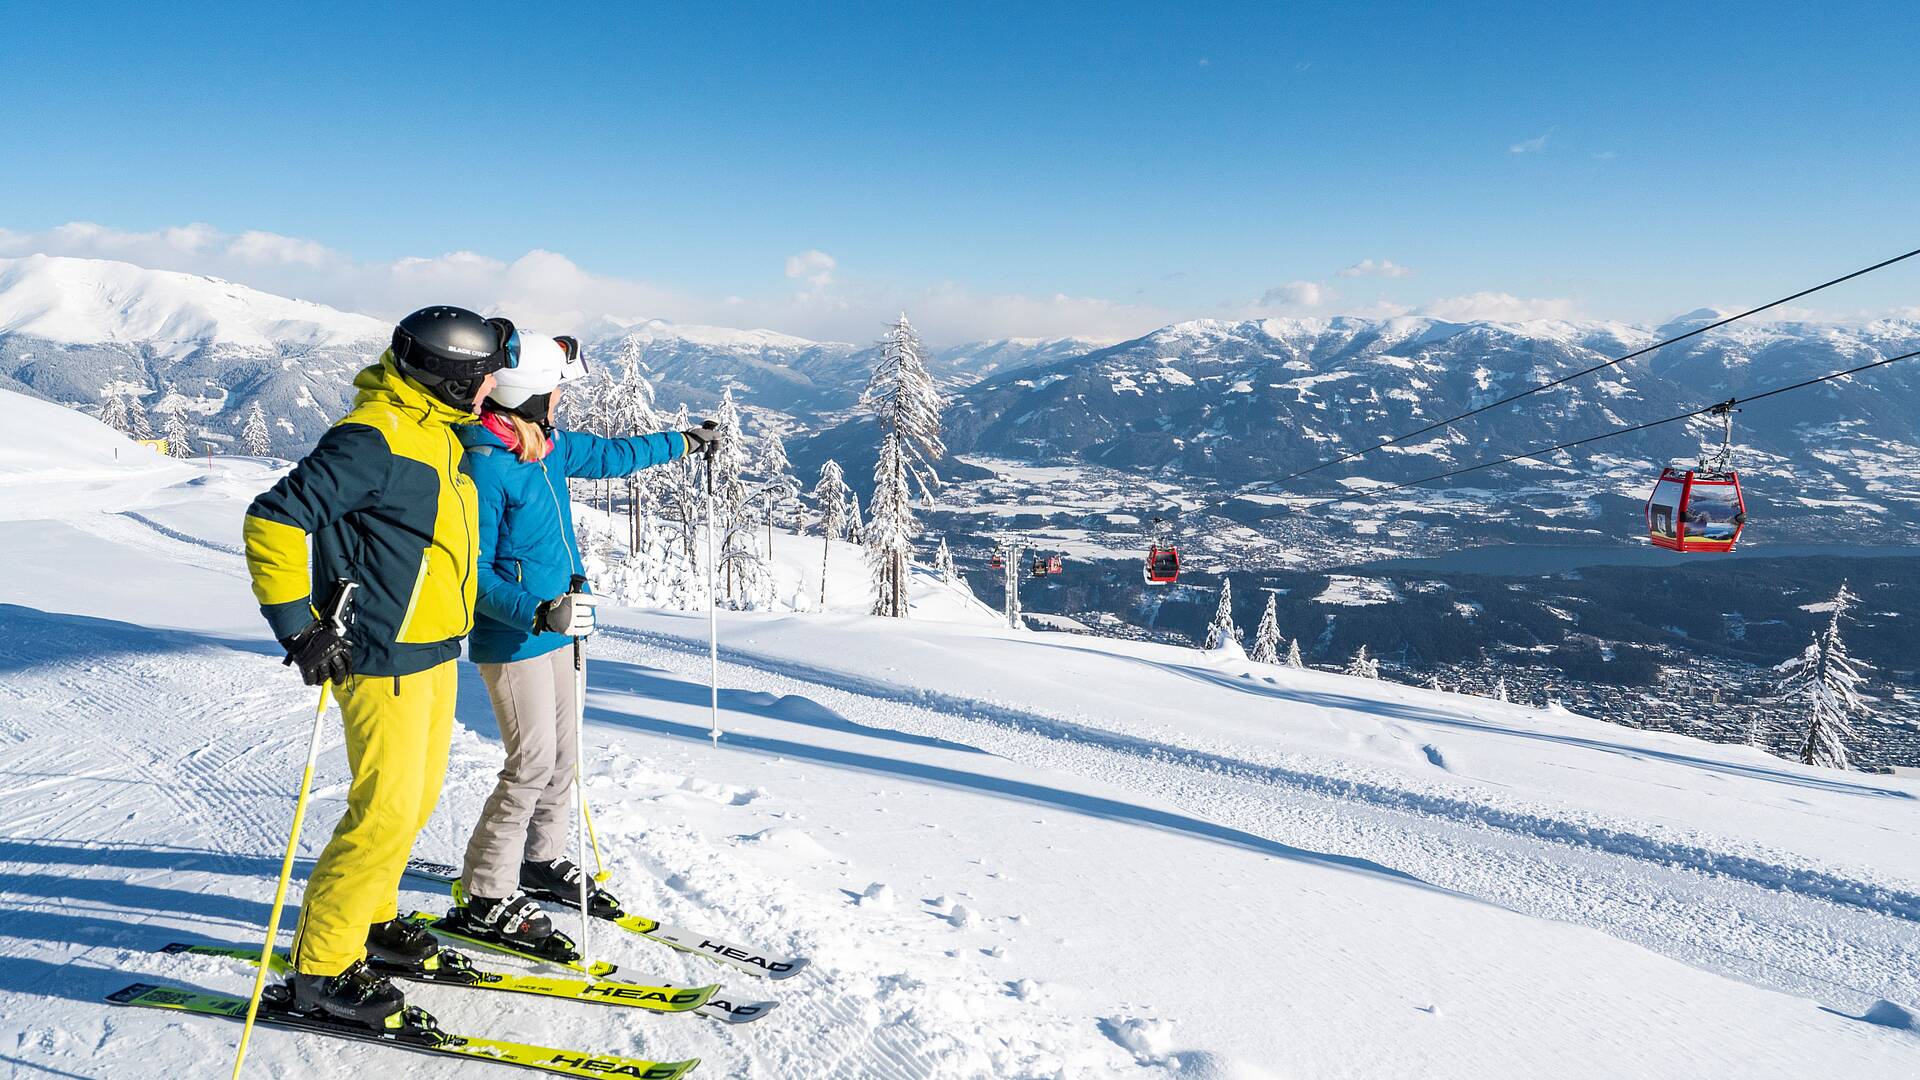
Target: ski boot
(557, 881)
(512, 920)
(358, 995)
(408, 950)
(398, 943)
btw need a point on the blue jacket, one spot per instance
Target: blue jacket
(527, 550)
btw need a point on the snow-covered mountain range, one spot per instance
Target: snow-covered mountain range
(72, 330)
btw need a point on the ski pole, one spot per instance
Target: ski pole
(578, 584)
(713, 614)
(337, 616)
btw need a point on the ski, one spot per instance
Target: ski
(719, 950)
(421, 1035)
(457, 970)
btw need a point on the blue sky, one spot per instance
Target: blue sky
(996, 169)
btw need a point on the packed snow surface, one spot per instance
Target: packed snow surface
(1008, 853)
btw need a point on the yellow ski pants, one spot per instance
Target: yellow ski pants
(398, 731)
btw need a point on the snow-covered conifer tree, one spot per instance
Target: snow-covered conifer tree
(1266, 643)
(1825, 679)
(902, 396)
(830, 497)
(856, 525)
(943, 563)
(1500, 690)
(890, 530)
(630, 412)
(113, 413)
(1363, 666)
(1222, 630)
(254, 436)
(179, 439)
(1293, 654)
(139, 425)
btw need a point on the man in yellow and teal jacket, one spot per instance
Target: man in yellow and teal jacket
(387, 506)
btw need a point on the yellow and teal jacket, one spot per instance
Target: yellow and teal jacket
(388, 506)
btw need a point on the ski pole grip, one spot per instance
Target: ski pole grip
(577, 583)
(337, 607)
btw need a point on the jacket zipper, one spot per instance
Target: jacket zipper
(573, 557)
(453, 477)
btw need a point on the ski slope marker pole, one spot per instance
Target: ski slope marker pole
(336, 615)
(579, 584)
(713, 615)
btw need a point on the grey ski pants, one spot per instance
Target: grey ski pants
(526, 817)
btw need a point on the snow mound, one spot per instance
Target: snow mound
(1887, 1014)
(89, 301)
(52, 445)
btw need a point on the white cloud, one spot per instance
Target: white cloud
(813, 266)
(1297, 294)
(1533, 145)
(1497, 307)
(1386, 268)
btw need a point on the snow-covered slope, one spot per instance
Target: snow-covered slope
(1009, 854)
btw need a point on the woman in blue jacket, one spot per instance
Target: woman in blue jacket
(526, 618)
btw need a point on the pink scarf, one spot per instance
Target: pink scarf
(502, 427)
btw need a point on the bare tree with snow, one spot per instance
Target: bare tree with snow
(1010, 555)
(830, 497)
(255, 438)
(1266, 641)
(740, 560)
(1222, 630)
(779, 490)
(1825, 679)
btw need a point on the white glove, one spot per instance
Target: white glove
(569, 613)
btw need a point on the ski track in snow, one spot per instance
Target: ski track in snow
(1798, 929)
(85, 912)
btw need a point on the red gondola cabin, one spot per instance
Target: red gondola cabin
(1696, 510)
(1163, 565)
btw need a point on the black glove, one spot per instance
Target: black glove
(703, 440)
(569, 613)
(319, 653)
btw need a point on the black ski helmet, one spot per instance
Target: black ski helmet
(450, 350)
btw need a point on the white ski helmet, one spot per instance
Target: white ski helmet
(544, 362)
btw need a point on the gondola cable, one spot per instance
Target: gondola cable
(1562, 380)
(1716, 407)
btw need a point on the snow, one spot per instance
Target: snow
(87, 301)
(1008, 854)
(1349, 591)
